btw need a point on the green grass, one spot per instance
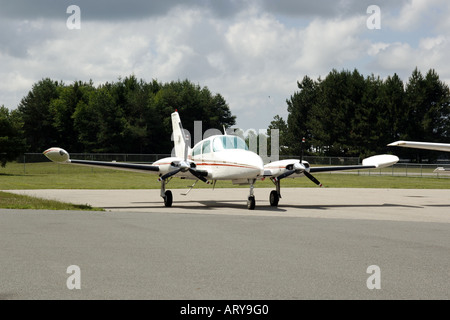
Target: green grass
(53, 176)
(16, 176)
(15, 201)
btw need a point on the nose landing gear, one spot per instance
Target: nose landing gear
(251, 197)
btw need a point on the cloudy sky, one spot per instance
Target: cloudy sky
(252, 52)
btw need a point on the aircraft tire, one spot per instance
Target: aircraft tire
(168, 198)
(251, 203)
(274, 198)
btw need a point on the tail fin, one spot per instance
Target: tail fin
(179, 137)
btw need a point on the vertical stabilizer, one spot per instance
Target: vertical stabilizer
(179, 138)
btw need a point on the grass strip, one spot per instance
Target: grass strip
(54, 176)
(15, 201)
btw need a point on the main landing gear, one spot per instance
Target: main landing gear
(275, 195)
(166, 195)
(168, 199)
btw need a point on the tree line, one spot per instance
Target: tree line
(344, 114)
(347, 114)
(127, 116)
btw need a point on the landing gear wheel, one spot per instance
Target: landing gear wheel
(168, 198)
(251, 203)
(274, 198)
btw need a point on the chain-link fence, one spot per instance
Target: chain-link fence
(411, 170)
(31, 163)
(327, 161)
(119, 157)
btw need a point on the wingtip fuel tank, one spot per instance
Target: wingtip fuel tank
(57, 154)
(381, 161)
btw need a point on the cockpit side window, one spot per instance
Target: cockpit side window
(206, 147)
(197, 150)
(217, 144)
(240, 144)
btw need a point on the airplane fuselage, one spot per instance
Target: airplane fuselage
(231, 165)
(223, 157)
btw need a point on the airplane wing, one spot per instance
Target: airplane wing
(421, 145)
(62, 156)
(295, 168)
(375, 162)
(165, 168)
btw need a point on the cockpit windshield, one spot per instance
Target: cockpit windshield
(228, 142)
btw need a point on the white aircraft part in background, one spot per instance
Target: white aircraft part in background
(421, 145)
(220, 157)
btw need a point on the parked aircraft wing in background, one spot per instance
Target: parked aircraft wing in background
(421, 145)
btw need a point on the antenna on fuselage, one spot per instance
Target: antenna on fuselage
(301, 150)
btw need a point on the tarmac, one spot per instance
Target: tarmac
(426, 205)
(319, 243)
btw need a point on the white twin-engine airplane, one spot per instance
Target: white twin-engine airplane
(220, 157)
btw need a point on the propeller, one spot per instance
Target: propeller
(298, 167)
(198, 175)
(182, 166)
(284, 175)
(311, 177)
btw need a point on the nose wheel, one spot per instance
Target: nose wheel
(251, 203)
(251, 197)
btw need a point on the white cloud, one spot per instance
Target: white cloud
(402, 58)
(251, 54)
(328, 44)
(396, 56)
(432, 43)
(410, 15)
(376, 48)
(416, 14)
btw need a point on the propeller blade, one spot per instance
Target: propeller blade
(284, 175)
(168, 175)
(310, 176)
(198, 175)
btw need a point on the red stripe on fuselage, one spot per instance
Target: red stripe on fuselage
(237, 165)
(227, 165)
